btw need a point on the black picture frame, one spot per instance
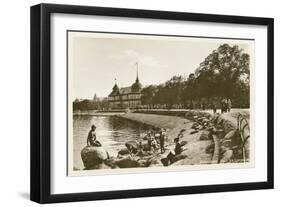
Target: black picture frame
(41, 102)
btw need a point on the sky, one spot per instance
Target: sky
(97, 59)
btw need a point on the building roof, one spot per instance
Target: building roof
(125, 90)
(136, 87)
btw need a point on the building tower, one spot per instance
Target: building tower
(137, 85)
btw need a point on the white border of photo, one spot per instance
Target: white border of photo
(61, 183)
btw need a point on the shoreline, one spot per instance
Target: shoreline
(196, 143)
(208, 138)
(173, 124)
(195, 149)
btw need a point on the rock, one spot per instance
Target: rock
(179, 157)
(201, 118)
(228, 125)
(187, 161)
(165, 161)
(155, 162)
(128, 162)
(133, 146)
(194, 132)
(195, 117)
(99, 166)
(195, 126)
(174, 158)
(231, 134)
(143, 163)
(227, 143)
(182, 143)
(234, 136)
(92, 156)
(124, 151)
(205, 120)
(210, 148)
(227, 156)
(205, 135)
(219, 132)
(111, 162)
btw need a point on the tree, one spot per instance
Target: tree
(224, 73)
(148, 94)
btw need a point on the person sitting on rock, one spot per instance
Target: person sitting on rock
(178, 148)
(92, 137)
(140, 150)
(153, 143)
(176, 151)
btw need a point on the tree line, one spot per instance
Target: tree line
(222, 74)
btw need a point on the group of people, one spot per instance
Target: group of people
(155, 139)
(225, 106)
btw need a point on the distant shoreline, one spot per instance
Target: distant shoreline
(97, 113)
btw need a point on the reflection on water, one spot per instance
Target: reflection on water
(111, 131)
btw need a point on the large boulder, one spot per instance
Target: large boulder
(128, 162)
(123, 152)
(92, 156)
(132, 146)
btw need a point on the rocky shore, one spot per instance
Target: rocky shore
(206, 138)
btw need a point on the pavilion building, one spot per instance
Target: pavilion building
(126, 97)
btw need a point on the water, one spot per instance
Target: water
(113, 132)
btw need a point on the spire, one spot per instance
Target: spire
(137, 79)
(137, 85)
(115, 89)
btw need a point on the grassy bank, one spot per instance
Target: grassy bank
(172, 123)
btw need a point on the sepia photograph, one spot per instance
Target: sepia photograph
(153, 103)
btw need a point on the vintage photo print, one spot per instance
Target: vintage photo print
(152, 103)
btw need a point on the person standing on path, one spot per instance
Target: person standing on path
(228, 105)
(223, 105)
(149, 140)
(162, 140)
(214, 107)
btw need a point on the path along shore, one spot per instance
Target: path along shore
(197, 142)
